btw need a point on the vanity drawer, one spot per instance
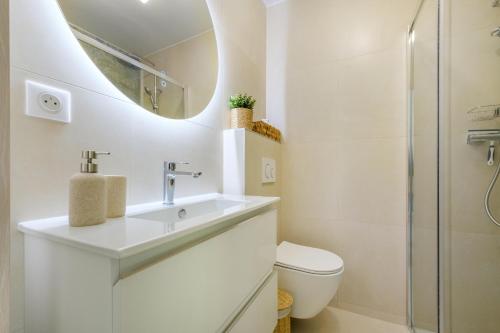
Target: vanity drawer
(261, 314)
(199, 289)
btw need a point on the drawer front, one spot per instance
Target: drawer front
(198, 290)
(261, 315)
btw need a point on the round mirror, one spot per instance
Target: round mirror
(162, 54)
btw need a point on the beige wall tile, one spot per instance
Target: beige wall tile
(373, 175)
(475, 271)
(372, 95)
(337, 90)
(243, 24)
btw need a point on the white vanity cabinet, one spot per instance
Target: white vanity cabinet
(223, 282)
(202, 288)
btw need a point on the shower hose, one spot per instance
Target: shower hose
(487, 197)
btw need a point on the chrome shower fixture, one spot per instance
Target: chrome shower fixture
(483, 135)
(493, 137)
(479, 136)
(495, 32)
(154, 95)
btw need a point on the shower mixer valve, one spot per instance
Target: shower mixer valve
(492, 136)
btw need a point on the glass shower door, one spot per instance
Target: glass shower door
(471, 249)
(423, 170)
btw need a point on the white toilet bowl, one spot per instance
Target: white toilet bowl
(311, 275)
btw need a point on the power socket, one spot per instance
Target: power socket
(50, 102)
(47, 102)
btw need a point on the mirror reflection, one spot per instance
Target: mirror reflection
(162, 54)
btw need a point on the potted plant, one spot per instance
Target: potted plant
(241, 106)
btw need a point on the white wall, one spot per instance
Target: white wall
(336, 87)
(46, 154)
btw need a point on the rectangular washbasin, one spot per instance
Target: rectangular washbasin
(177, 213)
(149, 225)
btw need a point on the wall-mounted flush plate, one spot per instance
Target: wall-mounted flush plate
(268, 170)
(47, 102)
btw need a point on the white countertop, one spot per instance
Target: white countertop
(127, 236)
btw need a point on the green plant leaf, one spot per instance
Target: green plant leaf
(241, 101)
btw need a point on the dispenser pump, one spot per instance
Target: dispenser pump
(89, 166)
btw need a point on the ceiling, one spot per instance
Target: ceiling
(136, 27)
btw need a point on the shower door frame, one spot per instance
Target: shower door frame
(440, 165)
(5, 226)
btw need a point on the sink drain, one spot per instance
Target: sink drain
(182, 213)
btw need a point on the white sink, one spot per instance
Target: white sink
(146, 226)
(179, 213)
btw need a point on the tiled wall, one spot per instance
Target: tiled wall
(46, 154)
(336, 87)
(473, 243)
(122, 74)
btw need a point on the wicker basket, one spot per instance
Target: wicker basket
(285, 301)
(265, 129)
(241, 118)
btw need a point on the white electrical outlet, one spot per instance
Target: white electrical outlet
(268, 170)
(47, 102)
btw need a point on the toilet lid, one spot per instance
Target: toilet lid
(308, 259)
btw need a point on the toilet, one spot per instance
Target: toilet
(311, 275)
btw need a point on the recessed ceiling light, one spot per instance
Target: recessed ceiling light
(144, 1)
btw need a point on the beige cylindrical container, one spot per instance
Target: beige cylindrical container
(242, 118)
(87, 194)
(87, 200)
(116, 188)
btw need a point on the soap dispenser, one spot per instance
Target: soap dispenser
(87, 193)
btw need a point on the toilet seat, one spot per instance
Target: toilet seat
(308, 259)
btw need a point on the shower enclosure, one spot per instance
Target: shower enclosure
(136, 77)
(453, 246)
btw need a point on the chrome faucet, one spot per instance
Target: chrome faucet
(169, 174)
